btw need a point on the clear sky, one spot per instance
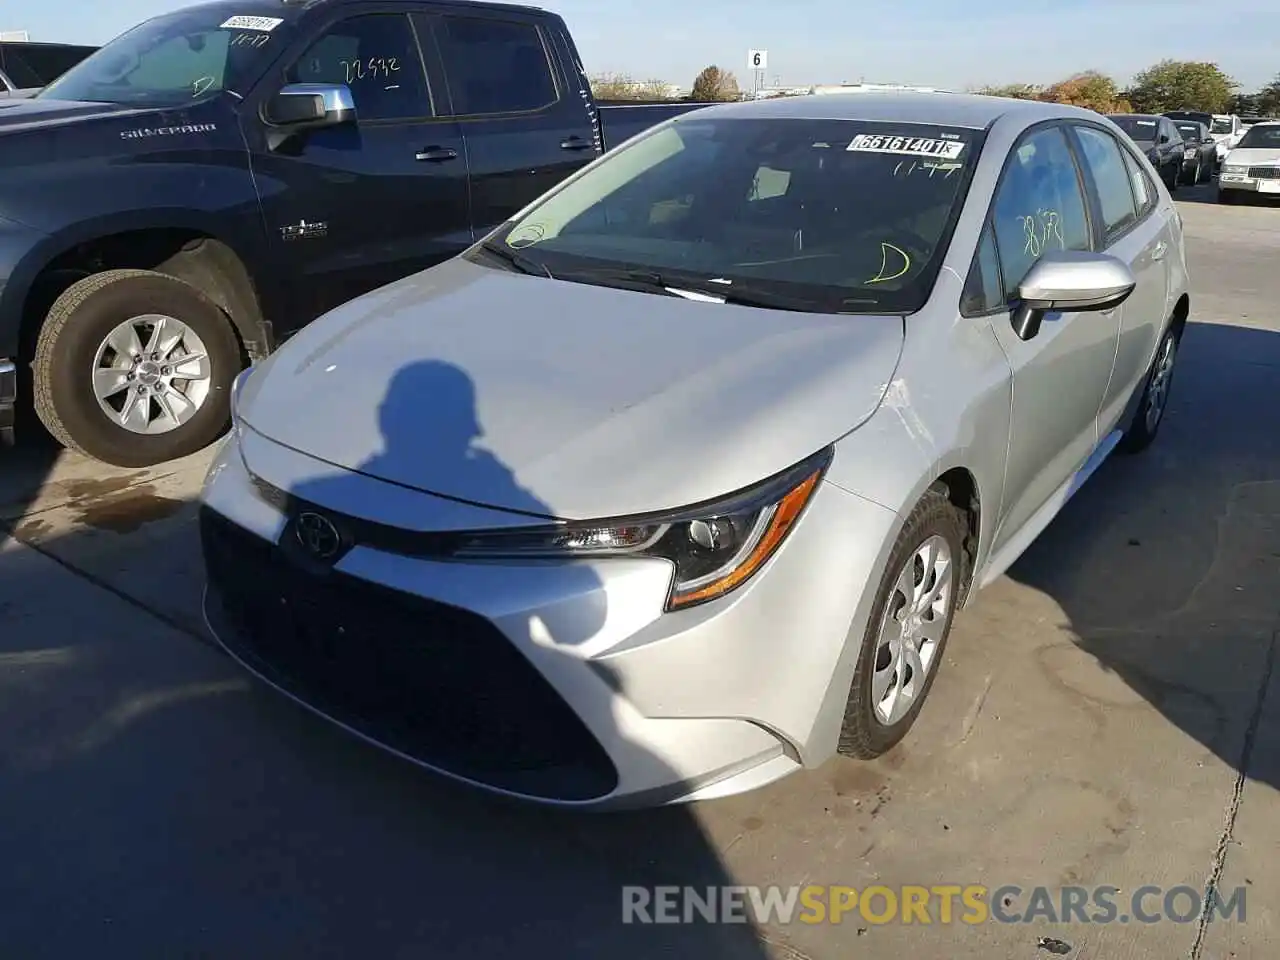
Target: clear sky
(946, 43)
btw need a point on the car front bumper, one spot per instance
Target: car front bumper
(562, 683)
(1267, 186)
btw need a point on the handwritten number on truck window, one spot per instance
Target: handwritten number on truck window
(250, 39)
(371, 68)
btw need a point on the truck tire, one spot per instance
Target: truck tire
(874, 721)
(134, 368)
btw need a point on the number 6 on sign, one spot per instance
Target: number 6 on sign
(758, 59)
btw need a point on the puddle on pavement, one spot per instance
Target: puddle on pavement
(129, 511)
(116, 504)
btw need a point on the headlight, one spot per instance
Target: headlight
(714, 547)
(1234, 169)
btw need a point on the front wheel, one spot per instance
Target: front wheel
(134, 368)
(1144, 426)
(908, 629)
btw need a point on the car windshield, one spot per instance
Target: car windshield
(175, 59)
(835, 216)
(1221, 125)
(1138, 128)
(1267, 137)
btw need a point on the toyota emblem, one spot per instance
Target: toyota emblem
(317, 535)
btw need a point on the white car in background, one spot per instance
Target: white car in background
(1254, 165)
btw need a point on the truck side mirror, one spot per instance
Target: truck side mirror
(310, 106)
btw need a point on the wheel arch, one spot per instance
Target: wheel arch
(181, 246)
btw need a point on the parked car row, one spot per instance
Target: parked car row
(1253, 166)
(311, 152)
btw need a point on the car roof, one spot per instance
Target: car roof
(901, 106)
(1139, 116)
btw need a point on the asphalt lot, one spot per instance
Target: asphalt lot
(1108, 714)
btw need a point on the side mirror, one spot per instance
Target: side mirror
(1164, 138)
(310, 106)
(1070, 281)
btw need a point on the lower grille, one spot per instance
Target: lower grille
(1264, 173)
(434, 682)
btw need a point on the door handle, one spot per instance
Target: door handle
(575, 143)
(437, 154)
(1160, 249)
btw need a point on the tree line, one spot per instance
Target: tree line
(1167, 85)
(713, 83)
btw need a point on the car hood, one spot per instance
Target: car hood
(564, 399)
(1254, 156)
(24, 112)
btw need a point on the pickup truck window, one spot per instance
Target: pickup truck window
(170, 60)
(376, 56)
(842, 216)
(496, 66)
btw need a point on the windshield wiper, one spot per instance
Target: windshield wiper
(734, 293)
(517, 260)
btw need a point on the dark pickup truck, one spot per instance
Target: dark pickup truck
(25, 66)
(178, 203)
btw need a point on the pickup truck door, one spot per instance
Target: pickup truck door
(525, 116)
(352, 208)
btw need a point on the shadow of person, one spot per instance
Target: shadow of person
(1166, 564)
(466, 668)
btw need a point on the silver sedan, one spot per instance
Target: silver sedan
(673, 484)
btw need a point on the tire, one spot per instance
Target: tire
(74, 341)
(1206, 171)
(1143, 427)
(866, 733)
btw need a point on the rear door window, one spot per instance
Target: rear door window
(1110, 180)
(496, 66)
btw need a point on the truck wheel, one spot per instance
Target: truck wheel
(907, 633)
(134, 368)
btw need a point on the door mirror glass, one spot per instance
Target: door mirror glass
(1164, 138)
(310, 106)
(1070, 281)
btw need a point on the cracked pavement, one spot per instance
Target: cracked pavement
(1108, 714)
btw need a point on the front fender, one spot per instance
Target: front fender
(947, 408)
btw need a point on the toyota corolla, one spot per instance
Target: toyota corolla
(673, 484)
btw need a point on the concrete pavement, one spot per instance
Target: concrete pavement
(1107, 715)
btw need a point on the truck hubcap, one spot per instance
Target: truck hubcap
(151, 374)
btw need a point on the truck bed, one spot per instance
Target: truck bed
(620, 120)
